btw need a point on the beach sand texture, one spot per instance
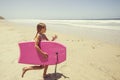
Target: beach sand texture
(87, 59)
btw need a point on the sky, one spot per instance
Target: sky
(59, 9)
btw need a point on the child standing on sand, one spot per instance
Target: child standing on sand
(41, 29)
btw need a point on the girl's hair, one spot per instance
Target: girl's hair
(39, 28)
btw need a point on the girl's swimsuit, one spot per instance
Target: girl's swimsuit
(43, 37)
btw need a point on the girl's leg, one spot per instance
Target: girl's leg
(45, 70)
(31, 68)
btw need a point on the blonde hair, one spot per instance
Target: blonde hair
(40, 26)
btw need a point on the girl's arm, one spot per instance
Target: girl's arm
(37, 46)
(53, 38)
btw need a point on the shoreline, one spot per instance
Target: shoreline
(100, 31)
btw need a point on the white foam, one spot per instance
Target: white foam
(106, 30)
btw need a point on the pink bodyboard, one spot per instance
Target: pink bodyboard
(29, 55)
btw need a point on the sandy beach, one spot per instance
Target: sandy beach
(87, 59)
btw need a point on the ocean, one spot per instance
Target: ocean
(104, 30)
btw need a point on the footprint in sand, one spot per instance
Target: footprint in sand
(93, 47)
(117, 55)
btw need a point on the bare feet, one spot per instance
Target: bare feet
(31, 68)
(24, 70)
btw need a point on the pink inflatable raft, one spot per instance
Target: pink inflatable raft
(28, 54)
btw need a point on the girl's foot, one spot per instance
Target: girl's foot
(24, 70)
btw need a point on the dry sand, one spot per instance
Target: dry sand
(86, 59)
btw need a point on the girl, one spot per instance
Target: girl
(41, 29)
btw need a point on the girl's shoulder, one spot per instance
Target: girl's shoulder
(38, 36)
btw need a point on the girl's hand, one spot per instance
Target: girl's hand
(45, 55)
(54, 37)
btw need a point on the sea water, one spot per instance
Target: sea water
(105, 30)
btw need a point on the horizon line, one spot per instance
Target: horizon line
(71, 19)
